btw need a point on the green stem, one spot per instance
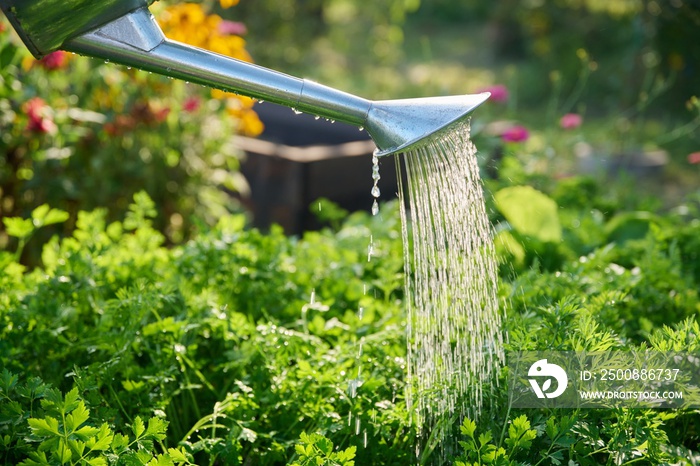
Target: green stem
(121, 407)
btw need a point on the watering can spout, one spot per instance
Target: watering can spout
(128, 34)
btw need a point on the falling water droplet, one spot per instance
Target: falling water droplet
(317, 117)
(375, 207)
(453, 281)
(332, 121)
(297, 112)
(375, 187)
(362, 128)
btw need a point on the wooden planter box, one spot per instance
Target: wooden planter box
(299, 159)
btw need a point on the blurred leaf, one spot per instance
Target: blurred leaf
(530, 212)
(18, 227)
(629, 225)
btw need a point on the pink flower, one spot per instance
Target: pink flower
(54, 60)
(191, 104)
(499, 92)
(39, 122)
(694, 158)
(232, 28)
(515, 134)
(570, 121)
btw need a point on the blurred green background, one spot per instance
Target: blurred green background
(80, 134)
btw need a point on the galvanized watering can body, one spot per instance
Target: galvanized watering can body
(124, 32)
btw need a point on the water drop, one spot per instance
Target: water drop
(352, 388)
(375, 191)
(332, 121)
(317, 117)
(362, 128)
(375, 207)
(297, 112)
(449, 294)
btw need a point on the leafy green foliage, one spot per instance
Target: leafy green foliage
(247, 348)
(530, 212)
(82, 134)
(317, 450)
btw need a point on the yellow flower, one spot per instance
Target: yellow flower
(189, 23)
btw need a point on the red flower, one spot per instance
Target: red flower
(694, 158)
(54, 60)
(515, 134)
(191, 104)
(39, 121)
(499, 92)
(570, 121)
(232, 28)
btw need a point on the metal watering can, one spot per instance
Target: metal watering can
(125, 32)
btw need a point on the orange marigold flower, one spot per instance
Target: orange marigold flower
(251, 124)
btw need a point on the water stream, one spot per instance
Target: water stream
(455, 344)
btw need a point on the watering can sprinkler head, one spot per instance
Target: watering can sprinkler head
(125, 32)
